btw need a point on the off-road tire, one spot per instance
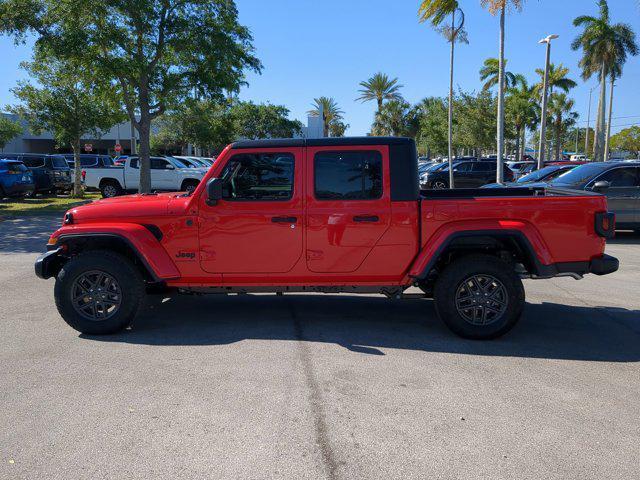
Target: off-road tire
(453, 280)
(125, 273)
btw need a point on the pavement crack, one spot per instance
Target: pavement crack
(321, 433)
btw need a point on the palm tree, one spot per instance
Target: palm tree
(523, 110)
(490, 74)
(328, 108)
(392, 119)
(557, 79)
(494, 7)
(605, 48)
(562, 116)
(379, 88)
(436, 11)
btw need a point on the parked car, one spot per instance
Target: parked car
(465, 175)
(50, 172)
(545, 174)
(90, 161)
(167, 174)
(15, 179)
(619, 181)
(193, 162)
(325, 215)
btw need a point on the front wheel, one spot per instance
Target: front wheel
(479, 297)
(440, 185)
(99, 292)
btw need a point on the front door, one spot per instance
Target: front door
(348, 205)
(622, 194)
(257, 226)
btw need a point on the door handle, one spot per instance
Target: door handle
(366, 218)
(284, 219)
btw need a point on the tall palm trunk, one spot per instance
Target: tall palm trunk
(499, 169)
(450, 132)
(598, 148)
(518, 129)
(607, 142)
(557, 139)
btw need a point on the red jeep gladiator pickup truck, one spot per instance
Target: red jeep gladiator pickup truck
(325, 215)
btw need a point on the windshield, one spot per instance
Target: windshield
(580, 174)
(537, 175)
(177, 163)
(58, 161)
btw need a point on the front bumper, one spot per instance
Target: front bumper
(604, 265)
(48, 264)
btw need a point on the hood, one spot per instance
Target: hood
(125, 207)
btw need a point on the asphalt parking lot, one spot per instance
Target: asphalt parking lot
(319, 386)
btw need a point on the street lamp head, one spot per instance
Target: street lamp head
(549, 38)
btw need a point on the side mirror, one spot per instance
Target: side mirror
(214, 191)
(601, 186)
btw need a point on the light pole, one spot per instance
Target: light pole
(543, 117)
(586, 133)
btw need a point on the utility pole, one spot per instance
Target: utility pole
(586, 133)
(543, 117)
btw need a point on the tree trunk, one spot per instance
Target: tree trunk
(607, 142)
(518, 128)
(557, 139)
(78, 191)
(500, 168)
(144, 129)
(598, 149)
(450, 132)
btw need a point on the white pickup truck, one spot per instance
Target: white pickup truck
(167, 174)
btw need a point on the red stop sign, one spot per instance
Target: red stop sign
(118, 148)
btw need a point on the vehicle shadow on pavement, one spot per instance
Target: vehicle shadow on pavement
(368, 325)
(625, 238)
(27, 234)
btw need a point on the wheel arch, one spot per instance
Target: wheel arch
(499, 243)
(139, 243)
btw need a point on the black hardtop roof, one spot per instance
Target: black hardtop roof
(321, 142)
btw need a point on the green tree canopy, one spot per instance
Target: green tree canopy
(627, 139)
(9, 129)
(392, 119)
(156, 51)
(66, 101)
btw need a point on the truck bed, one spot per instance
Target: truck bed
(503, 192)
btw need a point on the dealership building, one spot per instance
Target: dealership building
(122, 134)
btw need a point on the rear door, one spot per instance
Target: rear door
(132, 173)
(348, 205)
(481, 174)
(257, 226)
(462, 175)
(163, 175)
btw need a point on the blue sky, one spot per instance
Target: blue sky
(311, 48)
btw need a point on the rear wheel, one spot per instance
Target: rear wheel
(440, 185)
(479, 297)
(110, 189)
(99, 292)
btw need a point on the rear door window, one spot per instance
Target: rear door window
(348, 175)
(34, 162)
